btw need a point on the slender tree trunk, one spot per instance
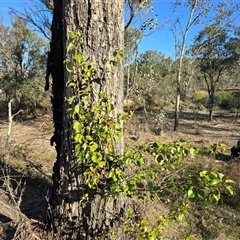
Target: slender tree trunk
(101, 26)
(211, 105)
(180, 47)
(177, 107)
(211, 83)
(10, 120)
(178, 97)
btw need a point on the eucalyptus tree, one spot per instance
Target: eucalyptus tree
(138, 24)
(38, 14)
(219, 53)
(153, 82)
(133, 7)
(23, 58)
(101, 25)
(196, 10)
(132, 38)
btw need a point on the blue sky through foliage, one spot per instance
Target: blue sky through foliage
(161, 39)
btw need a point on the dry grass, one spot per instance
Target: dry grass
(32, 157)
(214, 222)
(30, 145)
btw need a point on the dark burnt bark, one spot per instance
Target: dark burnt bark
(56, 69)
(101, 26)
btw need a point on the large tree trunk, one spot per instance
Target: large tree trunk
(101, 26)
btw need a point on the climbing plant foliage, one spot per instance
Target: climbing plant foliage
(147, 170)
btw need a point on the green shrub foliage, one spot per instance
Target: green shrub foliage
(147, 170)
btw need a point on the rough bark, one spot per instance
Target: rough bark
(101, 26)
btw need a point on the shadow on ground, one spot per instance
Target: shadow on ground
(32, 189)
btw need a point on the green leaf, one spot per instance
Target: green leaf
(77, 147)
(108, 63)
(229, 181)
(102, 164)
(94, 158)
(112, 175)
(70, 46)
(129, 161)
(88, 73)
(77, 109)
(89, 138)
(215, 182)
(190, 193)
(77, 126)
(78, 137)
(79, 58)
(203, 173)
(95, 181)
(93, 147)
(152, 238)
(193, 151)
(216, 195)
(70, 67)
(230, 190)
(71, 99)
(72, 84)
(221, 176)
(110, 108)
(201, 194)
(214, 174)
(80, 157)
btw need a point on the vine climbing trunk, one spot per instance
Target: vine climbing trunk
(100, 24)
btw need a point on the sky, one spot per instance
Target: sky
(161, 39)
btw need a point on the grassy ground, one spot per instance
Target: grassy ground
(31, 158)
(27, 159)
(209, 221)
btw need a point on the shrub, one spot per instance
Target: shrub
(223, 100)
(199, 96)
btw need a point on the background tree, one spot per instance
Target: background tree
(38, 14)
(153, 80)
(132, 39)
(23, 58)
(196, 11)
(218, 54)
(133, 7)
(140, 22)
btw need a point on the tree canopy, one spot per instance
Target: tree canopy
(23, 61)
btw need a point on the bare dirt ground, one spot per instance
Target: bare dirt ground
(194, 127)
(32, 157)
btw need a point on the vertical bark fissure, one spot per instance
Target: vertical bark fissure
(57, 72)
